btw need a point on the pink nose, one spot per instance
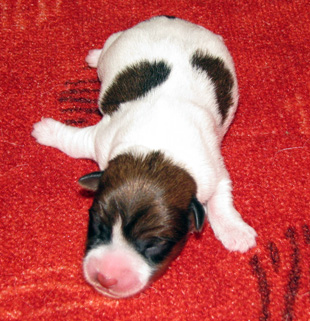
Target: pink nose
(105, 281)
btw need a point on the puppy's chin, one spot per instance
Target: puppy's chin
(163, 266)
(115, 294)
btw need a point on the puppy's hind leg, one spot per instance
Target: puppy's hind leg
(73, 141)
(226, 222)
(93, 56)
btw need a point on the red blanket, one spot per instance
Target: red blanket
(44, 212)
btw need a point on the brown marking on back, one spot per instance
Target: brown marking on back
(221, 77)
(132, 83)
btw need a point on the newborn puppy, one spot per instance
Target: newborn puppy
(168, 95)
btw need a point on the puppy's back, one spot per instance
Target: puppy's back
(186, 60)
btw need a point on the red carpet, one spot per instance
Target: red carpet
(44, 212)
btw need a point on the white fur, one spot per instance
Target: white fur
(133, 265)
(179, 118)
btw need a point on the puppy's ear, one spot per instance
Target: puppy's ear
(91, 181)
(197, 214)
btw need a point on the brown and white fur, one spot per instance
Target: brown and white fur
(168, 95)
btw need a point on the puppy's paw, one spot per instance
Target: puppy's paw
(45, 131)
(93, 57)
(236, 236)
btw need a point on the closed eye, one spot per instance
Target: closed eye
(155, 249)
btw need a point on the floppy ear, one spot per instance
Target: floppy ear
(91, 181)
(198, 213)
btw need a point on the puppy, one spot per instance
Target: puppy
(168, 95)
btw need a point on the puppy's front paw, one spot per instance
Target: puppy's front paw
(236, 236)
(45, 131)
(93, 57)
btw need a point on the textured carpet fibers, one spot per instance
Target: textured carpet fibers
(44, 212)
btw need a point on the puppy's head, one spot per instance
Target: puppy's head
(143, 210)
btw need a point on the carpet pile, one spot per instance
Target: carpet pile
(44, 211)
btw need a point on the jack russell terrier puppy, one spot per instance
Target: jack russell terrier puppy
(168, 95)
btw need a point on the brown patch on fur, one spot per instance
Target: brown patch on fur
(132, 83)
(220, 75)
